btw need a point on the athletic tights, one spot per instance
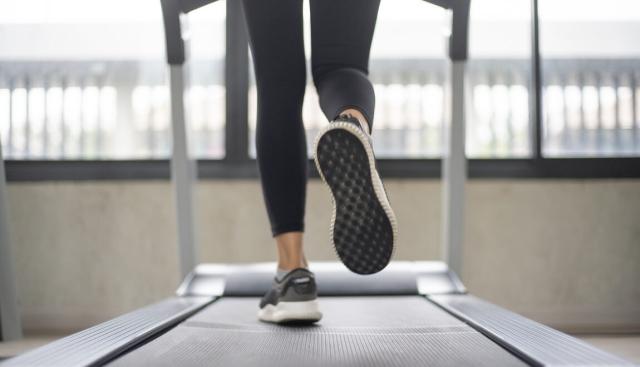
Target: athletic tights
(341, 33)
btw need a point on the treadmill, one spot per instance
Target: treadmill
(410, 314)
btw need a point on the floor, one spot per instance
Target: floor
(626, 346)
(9, 349)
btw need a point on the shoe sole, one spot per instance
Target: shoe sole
(291, 312)
(363, 226)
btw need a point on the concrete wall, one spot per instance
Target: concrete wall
(563, 252)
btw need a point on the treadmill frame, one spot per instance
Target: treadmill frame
(532, 342)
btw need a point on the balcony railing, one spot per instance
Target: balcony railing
(119, 110)
(592, 107)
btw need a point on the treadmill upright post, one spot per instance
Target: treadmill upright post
(183, 168)
(10, 325)
(454, 172)
(454, 164)
(183, 173)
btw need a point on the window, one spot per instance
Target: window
(551, 91)
(498, 79)
(206, 114)
(409, 78)
(591, 66)
(87, 80)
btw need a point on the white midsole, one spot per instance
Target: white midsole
(291, 311)
(375, 177)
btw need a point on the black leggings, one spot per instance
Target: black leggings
(341, 33)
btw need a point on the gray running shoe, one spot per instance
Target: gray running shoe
(363, 227)
(292, 299)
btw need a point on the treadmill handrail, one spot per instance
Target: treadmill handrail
(190, 5)
(459, 38)
(171, 11)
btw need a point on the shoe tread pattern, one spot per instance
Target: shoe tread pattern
(362, 231)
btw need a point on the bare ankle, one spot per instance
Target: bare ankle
(290, 251)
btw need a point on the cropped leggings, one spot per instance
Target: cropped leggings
(341, 33)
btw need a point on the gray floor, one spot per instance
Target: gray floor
(626, 346)
(10, 349)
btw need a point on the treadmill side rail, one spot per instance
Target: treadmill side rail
(106, 341)
(532, 341)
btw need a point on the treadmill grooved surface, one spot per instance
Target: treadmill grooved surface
(361, 331)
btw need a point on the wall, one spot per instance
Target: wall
(564, 252)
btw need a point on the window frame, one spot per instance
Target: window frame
(237, 164)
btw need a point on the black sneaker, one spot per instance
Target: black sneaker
(363, 227)
(292, 299)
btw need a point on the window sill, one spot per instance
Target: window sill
(564, 168)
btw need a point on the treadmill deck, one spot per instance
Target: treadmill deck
(363, 331)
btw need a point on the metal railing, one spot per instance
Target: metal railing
(591, 107)
(119, 110)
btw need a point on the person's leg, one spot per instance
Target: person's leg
(363, 228)
(275, 31)
(341, 32)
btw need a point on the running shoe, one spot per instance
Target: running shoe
(363, 227)
(292, 299)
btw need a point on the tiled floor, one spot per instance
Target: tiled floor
(626, 346)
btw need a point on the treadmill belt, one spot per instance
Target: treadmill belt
(361, 331)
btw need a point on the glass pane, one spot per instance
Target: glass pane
(498, 75)
(206, 95)
(86, 79)
(591, 62)
(408, 70)
(408, 78)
